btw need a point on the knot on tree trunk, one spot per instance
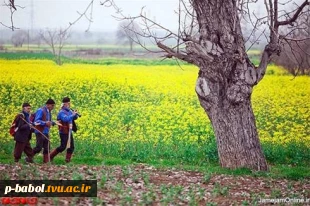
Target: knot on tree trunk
(203, 91)
(202, 87)
(250, 76)
(273, 48)
(238, 93)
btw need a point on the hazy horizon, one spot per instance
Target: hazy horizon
(55, 13)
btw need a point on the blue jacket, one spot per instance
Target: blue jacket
(40, 122)
(65, 116)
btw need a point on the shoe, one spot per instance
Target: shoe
(68, 157)
(28, 159)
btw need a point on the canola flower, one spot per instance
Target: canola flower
(129, 103)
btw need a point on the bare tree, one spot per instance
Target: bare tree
(295, 55)
(56, 40)
(210, 36)
(19, 38)
(127, 32)
(37, 39)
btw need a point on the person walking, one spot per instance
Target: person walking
(43, 122)
(66, 118)
(22, 135)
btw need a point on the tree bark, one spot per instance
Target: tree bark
(237, 138)
(228, 106)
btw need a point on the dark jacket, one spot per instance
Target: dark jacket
(23, 134)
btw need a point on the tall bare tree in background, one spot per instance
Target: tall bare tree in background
(19, 38)
(56, 39)
(295, 55)
(209, 36)
(127, 32)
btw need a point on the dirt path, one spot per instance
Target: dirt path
(143, 184)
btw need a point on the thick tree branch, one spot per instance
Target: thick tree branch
(12, 4)
(274, 45)
(295, 16)
(261, 70)
(171, 53)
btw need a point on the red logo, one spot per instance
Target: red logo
(19, 200)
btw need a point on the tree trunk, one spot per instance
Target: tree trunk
(228, 106)
(225, 81)
(131, 45)
(237, 139)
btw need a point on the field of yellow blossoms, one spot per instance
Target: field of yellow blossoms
(152, 112)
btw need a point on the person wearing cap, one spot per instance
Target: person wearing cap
(43, 122)
(65, 117)
(23, 135)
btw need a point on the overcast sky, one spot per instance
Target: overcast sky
(58, 13)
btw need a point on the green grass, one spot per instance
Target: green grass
(26, 55)
(293, 153)
(102, 61)
(165, 156)
(275, 171)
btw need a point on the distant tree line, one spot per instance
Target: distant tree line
(295, 55)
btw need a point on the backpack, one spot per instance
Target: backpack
(32, 118)
(14, 128)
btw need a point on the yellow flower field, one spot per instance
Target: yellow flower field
(129, 103)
